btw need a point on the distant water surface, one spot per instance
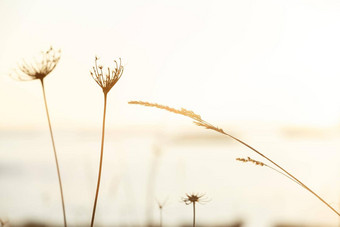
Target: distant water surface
(145, 166)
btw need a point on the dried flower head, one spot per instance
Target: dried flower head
(111, 77)
(161, 204)
(195, 198)
(40, 67)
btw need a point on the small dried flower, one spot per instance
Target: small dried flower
(195, 198)
(162, 204)
(40, 67)
(111, 77)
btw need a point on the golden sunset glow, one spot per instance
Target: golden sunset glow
(261, 76)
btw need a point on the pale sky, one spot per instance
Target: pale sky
(266, 61)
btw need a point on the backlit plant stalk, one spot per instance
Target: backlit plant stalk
(194, 198)
(258, 163)
(38, 70)
(106, 81)
(200, 122)
(160, 207)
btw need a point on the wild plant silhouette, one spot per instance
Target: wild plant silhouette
(38, 69)
(160, 207)
(200, 122)
(194, 198)
(106, 82)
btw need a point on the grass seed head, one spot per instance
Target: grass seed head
(258, 163)
(182, 111)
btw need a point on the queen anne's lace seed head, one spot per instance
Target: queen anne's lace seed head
(40, 67)
(106, 79)
(194, 198)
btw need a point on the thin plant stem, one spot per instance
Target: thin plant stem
(55, 153)
(285, 171)
(100, 163)
(339, 217)
(160, 217)
(278, 171)
(194, 214)
(200, 122)
(289, 175)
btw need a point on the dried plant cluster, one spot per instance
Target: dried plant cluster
(200, 122)
(106, 78)
(44, 64)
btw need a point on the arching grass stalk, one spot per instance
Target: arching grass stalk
(38, 70)
(106, 82)
(200, 122)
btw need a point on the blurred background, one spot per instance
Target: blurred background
(265, 71)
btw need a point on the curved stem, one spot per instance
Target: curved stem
(278, 166)
(200, 122)
(55, 153)
(100, 163)
(282, 173)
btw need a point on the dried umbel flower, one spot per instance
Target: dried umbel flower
(106, 82)
(194, 198)
(161, 206)
(40, 67)
(108, 78)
